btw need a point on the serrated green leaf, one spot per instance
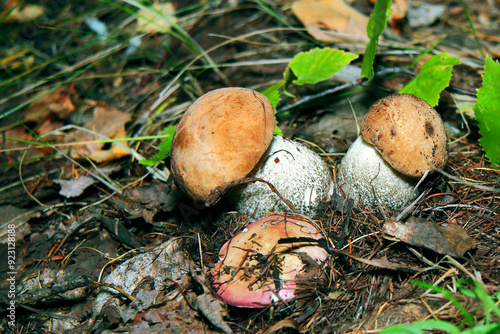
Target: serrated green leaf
(487, 111)
(163, 148)
(318, 64)
(374, 29)
(433, 78)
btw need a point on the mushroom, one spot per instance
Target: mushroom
(297, 173)
(402, 139)
(220, 139)
(226, 136)
(256, 270)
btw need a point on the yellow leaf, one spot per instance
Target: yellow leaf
(108, 122)
(18, 59)
(26, 13)
(156, 19)
(115, 152)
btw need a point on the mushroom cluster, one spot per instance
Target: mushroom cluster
(256, 269)
(226, 136)
(225, 142)
(402, 139)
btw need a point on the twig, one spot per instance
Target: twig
(478, 186)
(466, 206)
(217, 193)
(309, 98)
(182, 293)
(463, 120)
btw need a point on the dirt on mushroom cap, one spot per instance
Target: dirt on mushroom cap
(220, 139)
(407, 132)
(255, 269)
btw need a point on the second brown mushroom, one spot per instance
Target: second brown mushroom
(402, 139)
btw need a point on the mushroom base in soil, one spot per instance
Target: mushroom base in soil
(255, 270)
(300, 176)
(375, 180)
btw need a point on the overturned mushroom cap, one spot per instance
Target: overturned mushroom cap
(255, 271)
(407, 132)
(220, 139)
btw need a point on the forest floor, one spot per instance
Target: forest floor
(75, 72)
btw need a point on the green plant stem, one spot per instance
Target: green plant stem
(473, 29)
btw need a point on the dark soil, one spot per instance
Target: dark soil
(65, 246)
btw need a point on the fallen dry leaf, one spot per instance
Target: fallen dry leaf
(213, 310)
(21, 13)
(163, 264)
(55, 104)
(44, 115)
(12, 215)
(398, 13)
(108, 122)
(157, 18)
(450, 239)
(17, 58)
(335, 15)
(382, 263)
(75, 187)
(145, 201)
(115, 152)
(207, 304)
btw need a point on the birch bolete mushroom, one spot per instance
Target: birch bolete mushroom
(220, 139)
(402, 138)
(226, 136)
(256, 270)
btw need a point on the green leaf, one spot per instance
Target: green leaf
(479, 293)
(163, 148)
(400, 329)
(448, 295)
(277, 131)
(487, 111)
(420, 327)
(433, 78)
(374, 29)
(318, 64)
(483, 329)
(273, 94)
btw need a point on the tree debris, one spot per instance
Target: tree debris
(450, 239)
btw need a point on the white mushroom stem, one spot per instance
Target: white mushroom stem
(298, 174)
(368, 179)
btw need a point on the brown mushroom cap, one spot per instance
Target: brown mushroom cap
(407, 132)
(220, 139)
